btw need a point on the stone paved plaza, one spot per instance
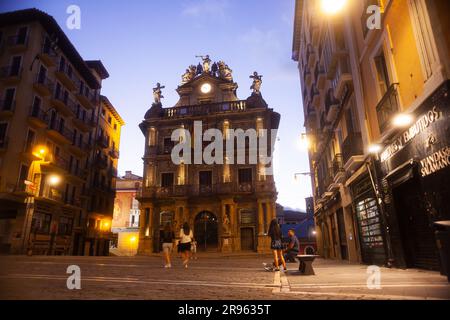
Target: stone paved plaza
(238, 277)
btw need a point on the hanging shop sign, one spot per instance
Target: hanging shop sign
(420, 126)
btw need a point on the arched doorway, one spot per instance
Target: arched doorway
(206, 231)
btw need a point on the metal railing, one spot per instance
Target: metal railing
(36, 112)
(387, 107)
(202, 109)
(45, 81)
(352, 146)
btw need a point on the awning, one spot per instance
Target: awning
(402, 173)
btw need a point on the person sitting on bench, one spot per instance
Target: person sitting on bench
(292, 248)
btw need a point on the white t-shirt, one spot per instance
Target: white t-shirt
(186, 238)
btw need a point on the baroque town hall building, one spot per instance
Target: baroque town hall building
(229, 206)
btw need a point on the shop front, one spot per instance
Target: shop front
(416, 183)
(369, 221)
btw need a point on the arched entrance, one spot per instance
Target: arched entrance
(206, 231)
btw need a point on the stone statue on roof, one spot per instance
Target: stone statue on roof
(224, 71)
(189, 74)
(206, 63)
(157, 93)
(257, 82)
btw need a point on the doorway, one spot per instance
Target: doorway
(417, 236)
(206, 231)
(342, 234)
(247, 239)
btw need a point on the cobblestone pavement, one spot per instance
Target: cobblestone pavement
(213, 277)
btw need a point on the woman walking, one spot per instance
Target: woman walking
(276, 245)
(167, 238)
(186, 237)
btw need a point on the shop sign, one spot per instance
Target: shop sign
(436, 162)
(420, 126)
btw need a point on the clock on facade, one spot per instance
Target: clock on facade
(206, 88)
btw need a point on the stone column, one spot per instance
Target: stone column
(263, 240)
(145, 245)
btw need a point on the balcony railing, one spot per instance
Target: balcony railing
(205, 190)
(38, 113)
(338, 164)
(387, 107)
(46, 83)
(62, 130)
(330, 100)
(203, 109)
(352, 146)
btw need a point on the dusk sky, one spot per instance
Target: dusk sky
(145, 42)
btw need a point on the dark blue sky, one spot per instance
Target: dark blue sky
(144, 42)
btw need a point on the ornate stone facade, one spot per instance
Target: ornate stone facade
(229, 206)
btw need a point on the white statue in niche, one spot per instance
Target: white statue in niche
(226, 224)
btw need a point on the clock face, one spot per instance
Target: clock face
(206, 88)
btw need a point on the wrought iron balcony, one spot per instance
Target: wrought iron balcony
(352, 146)
(388, 107)
(37, 116)
(48, 55)
(44, 85)
(66, 75)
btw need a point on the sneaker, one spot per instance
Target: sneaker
(166, 266)
(267, 267)
(169, 266)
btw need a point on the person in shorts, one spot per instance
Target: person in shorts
(167, 238)
(276, 245)
(186, 237)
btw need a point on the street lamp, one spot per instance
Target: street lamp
(402, 120)
(305, 142)
(54, 180)
(332, 7)
(374, 149)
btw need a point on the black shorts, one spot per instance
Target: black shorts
(183, 247)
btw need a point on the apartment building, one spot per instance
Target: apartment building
(103, 179)
(126, 206)
(376, 110)
(229, 206)
(50, 100)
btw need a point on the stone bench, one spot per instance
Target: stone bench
(305, 264)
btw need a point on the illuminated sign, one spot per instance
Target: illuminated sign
(436, 162)
(423, 123)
